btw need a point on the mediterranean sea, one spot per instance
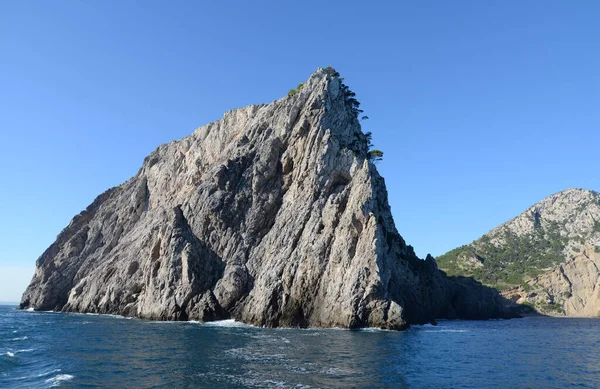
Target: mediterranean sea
(44, 349)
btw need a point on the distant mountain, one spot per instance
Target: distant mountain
(547, 257)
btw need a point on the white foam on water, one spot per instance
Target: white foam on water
(47, 373)
(227, 323)
(56, 380)
(335, 371)
(374, 329)
(15, 331)
(278, 384)
(21, 338)
(269, 337)
(220, 377)
(9, 354)
(116, 316)
(99, 314)
(30, 309)
(445, 331)
(28, 350)
(249, 355)
(296, 369)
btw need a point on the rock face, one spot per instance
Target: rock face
(273, 215)
(548, 257)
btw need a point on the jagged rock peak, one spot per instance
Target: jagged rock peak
(272, 215)
(575, 207)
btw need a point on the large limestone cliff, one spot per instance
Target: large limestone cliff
(273, 215)
(547, 257)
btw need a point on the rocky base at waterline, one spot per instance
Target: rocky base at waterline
(273, 215)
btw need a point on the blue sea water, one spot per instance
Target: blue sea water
(42, 350)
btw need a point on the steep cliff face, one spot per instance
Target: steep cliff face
(272, 215)
(547, 257)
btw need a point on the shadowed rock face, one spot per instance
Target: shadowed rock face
(272, 215)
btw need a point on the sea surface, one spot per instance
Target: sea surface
(43, 350)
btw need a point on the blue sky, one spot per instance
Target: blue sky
(482, 108)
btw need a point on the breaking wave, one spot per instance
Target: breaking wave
(56, 380)
(227, 323)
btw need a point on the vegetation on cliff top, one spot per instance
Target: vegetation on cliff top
(299, 87)
(353, 105)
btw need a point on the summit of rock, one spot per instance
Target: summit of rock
(573, 208)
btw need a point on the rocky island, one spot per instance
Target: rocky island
(274, 215)
(548, 257)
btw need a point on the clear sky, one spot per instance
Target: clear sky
(482, 108)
